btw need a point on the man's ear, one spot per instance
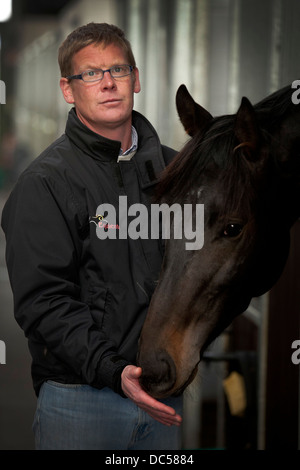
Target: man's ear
(66, 89)
(136, 83)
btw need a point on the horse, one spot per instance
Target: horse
(245, 169)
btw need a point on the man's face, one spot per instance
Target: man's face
(108, 103)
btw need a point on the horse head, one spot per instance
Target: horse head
(245, 169)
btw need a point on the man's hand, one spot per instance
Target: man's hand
(157, 410)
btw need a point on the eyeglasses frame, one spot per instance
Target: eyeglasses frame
(79, 77)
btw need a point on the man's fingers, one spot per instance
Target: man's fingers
(165, 419)
(161, 412)
(154, 404)
(136, 372)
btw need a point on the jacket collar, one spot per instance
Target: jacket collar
(148, 160)
(95, 145)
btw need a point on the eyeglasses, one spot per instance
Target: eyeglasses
(117, 71)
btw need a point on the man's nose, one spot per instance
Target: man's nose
(107, 80)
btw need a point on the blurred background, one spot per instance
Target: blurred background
(222, 50)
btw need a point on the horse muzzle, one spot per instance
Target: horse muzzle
(158, 373)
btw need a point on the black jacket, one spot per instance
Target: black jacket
(82, 301)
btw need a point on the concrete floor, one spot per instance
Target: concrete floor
(17, 398)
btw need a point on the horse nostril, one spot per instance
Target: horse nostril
(158, 373)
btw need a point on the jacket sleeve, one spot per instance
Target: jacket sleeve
(41, 224)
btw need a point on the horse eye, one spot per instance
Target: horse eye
(232, 230)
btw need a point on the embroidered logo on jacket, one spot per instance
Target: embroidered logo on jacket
(99, 221)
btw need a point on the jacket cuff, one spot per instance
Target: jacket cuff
(111, 368)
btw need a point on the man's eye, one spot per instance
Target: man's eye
(117, 69)
(91, 73)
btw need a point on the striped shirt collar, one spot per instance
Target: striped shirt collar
(128, 154)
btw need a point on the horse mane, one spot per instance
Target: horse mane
(215, 151)
(272, 109)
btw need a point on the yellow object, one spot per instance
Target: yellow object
(235, 391)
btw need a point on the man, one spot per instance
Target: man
(80, 298)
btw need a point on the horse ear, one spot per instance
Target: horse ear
(247, 130)
(194, 118)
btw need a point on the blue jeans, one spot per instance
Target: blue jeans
(80, 417)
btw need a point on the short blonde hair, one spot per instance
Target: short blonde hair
(92, 33)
